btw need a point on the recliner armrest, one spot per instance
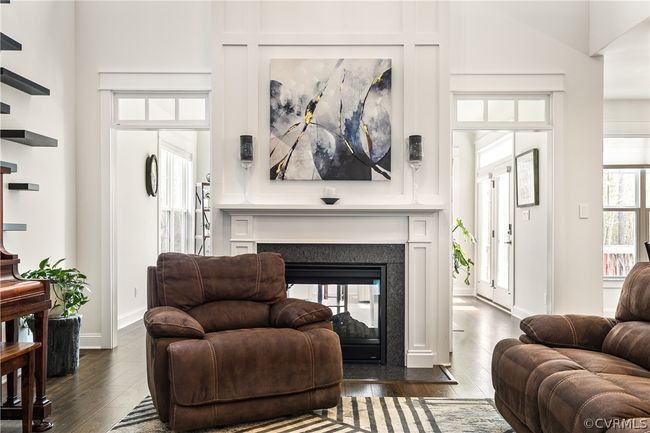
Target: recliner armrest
(294, 313)
(172, 323)
(569, 331)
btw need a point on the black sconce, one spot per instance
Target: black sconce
(246, 150)
(415, 150)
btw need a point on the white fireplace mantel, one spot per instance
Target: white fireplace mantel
(336, 209)
(241, 227)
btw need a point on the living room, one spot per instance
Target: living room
(428, 180)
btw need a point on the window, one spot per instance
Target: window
(178, 110)
(513, 110)
(174, 200)
(626, 196)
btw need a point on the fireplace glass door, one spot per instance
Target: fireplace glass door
(354, 294)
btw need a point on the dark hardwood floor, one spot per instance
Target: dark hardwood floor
(109, 383)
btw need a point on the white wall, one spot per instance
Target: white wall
(610, 19)
(47, 33)
(136, 223)
(202, 155)
(169, 36)
(531, 234)
(492, 37)
(463, 199)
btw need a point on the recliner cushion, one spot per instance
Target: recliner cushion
(604, 363)
(570, 401)
(186, 280)
(244, 364)
(631, 341)
(227, 315)
(518, 369)
(634, 303)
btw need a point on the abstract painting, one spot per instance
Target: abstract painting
(330, 119)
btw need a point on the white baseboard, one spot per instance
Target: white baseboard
(521, 313)
(129, 318)
(92, 340)
(464, 291)
(420, 358)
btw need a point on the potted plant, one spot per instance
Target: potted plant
(461, 260)
(68, 288)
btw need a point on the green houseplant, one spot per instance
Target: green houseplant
(462, 262)
(68, 292)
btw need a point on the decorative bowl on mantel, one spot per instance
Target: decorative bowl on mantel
(329, 200)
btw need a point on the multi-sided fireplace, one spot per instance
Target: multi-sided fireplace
(356, 295)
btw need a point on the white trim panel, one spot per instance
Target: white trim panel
(511, 83)
(156, 82)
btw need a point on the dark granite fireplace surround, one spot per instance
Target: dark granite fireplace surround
(390, 255)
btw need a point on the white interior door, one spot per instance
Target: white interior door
(495, 236)
(502, 237)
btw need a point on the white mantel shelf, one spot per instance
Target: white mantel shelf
(336, 209)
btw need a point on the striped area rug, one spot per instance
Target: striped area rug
(356, 414)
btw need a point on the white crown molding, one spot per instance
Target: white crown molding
(158, 81)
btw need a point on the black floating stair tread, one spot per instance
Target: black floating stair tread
(23, 186)
(28, 138)
(10, 165)
(5, 1)
(4, 108)
(14, 227)
(9, 44)
(21, 83)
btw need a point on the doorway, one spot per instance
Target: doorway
(146, 226)
(510, 252)
(160, 144)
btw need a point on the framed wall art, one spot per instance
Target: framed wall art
(330, 119)
(527, 178)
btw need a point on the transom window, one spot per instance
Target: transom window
(502, 109)
(169, 110)
(626, 197)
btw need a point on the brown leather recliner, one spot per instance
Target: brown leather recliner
(225, 345)
(580, 373)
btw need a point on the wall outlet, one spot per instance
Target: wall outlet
(525, 214)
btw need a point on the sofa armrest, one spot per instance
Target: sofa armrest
(294, 313)
(570, 331)
(171, 322)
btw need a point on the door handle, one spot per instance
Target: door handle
(508, 242)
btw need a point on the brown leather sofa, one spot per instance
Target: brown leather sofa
(225, 345)
(580, 373)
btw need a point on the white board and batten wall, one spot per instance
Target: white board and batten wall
(414, 36)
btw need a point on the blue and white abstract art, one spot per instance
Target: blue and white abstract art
(330, 119)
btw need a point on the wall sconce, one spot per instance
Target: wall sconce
(414, 157)
(246, 150)
(246, 156)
